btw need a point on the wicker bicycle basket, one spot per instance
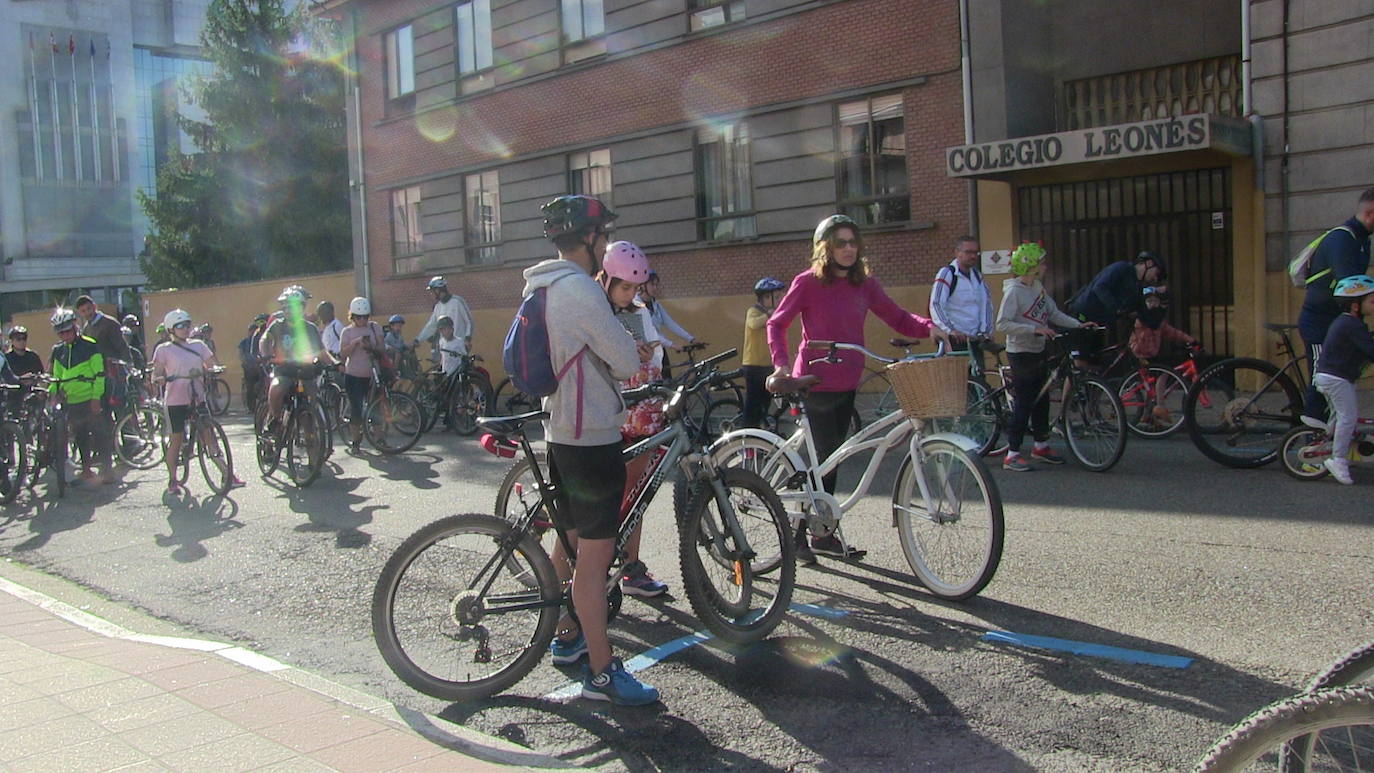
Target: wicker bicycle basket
(930, 387)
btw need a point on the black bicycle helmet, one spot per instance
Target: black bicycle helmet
(767, 285)
(1153, 257)
(574, 214)
(829, 224)
(19, 330)
(129, 320)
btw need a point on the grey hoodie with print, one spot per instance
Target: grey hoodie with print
(595, 349)
(1024, 309)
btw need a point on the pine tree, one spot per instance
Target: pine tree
(267, 195)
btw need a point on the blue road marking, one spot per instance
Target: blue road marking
(816, 610)
(1085, 648)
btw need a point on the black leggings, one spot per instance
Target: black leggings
(756, 395)
(1027, 377)
(830, 414)
(356, 387)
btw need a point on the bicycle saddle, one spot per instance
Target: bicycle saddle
(780, 384)
(903, 342)
(504, 426)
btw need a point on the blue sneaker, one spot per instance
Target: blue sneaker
(616, 685)
(568, 652)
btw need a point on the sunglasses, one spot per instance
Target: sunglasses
(19, 338)
(181, 325)
(842, 243)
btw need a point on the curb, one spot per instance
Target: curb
(455, 737)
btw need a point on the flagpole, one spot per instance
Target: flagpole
(76, 110)
(56, 112)
(95, 118)
(33, 113)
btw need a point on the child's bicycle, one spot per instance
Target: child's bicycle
(468, 605)
(1308, 445)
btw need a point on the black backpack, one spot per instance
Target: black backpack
(954, 277)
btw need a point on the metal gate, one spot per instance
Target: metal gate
(1185, 217)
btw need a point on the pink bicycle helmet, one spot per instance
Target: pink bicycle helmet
(626, 261)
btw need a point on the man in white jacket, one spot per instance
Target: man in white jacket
(447, 304)
(586, 468)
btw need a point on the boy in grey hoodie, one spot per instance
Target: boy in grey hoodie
(592, 351)
(1026, 318)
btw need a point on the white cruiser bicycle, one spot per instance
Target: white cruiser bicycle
(946, 508)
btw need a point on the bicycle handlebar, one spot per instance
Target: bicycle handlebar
(834, 346)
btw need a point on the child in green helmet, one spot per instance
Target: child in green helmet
(1027, 317)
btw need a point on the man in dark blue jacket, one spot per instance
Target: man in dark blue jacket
(1343, 252)
(1116, 289)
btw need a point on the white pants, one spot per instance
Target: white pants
(1340, 396)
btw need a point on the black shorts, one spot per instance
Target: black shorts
(283, 372)
(590, 484)
(176, 414)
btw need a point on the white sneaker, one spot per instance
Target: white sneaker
(1339, 469)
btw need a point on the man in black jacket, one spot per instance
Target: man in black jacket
(109, 337)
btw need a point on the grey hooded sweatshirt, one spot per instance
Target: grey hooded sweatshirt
(1025, 308)
(592, 351)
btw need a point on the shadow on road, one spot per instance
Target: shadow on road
(195, 520)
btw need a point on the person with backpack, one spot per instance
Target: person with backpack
(588, 351)
(960, 302)
(1340, 252)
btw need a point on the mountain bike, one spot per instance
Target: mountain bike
(141, 435)
(14, 453)
(468, 605)
(303, 434)
(217, 394)
(392, 420)
(945, 506)
(52, 446)
(1240, 408)
(463, 395)
(203, 438)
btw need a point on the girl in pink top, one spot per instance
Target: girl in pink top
(833, 298)
(179, 365)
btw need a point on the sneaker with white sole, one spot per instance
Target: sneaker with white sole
(1046, 455)
(1015, 464)
(568, 651)
(618, 686)
(1339, 469)
(643, 585)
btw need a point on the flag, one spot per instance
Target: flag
(52, 41)
(71, 45)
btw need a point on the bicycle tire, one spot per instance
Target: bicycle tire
(1244, 429)
(761, 457)
(13, 461)
(1302, 452)
(1165, 412)
(140, 438)
(1095, 424)
(511, 401)
(267, 451)
(982, 423)
(722, 416)
(1354, 668)
(182, 469)
(469, 402)
(1291, 735)
(933, 545)
(728, 609)
(305, 441)
(393, 422)
(217, 396)
(333, 401)
(57, 450)
(416, 637)
(206, 456)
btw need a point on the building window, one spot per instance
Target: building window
(400, 62)
(725, 194)
(474, 44)
(589, 174)
(584, 22)
(482, 217)
(714, 13)
(873, 179)
(406, 236)
(159, 89)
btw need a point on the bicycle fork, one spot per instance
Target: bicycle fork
(918, 469)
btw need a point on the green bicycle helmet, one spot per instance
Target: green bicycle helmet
(1026, 257)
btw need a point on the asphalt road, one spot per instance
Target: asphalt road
(1260, 580)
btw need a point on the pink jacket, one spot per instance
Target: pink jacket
(835, 312)
(1145, 342)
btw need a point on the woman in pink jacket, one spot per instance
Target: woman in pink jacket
(833, 298)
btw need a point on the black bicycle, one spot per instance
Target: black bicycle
(203, 439)
(461, 396)
(303, 435)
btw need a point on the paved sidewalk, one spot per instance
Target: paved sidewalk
(95, 697)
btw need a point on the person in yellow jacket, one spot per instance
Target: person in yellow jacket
(78, 371)
(756, 361)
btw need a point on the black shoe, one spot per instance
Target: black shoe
(832, 546)
(804, 554)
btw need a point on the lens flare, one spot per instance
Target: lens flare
(437, 125)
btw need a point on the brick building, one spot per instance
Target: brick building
(720, 131)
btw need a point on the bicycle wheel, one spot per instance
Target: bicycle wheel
(453, 622)
(428, 401)
(216, 459)
(266, 450)
(1303, 450)
(13, 462)
(335, 404)
(983, 422)
(468, 403)
(717, 570)
(723, 416)
(1156, 415)
(955, 545)
(57, 456)
(1239, 410)
(217, 396)
(183, 465)
(517, 485)
(1356, 668)
(1328, 730)
(1095, 424)
(393, 422)
(305, 444)
(511, 401)
(762, 458)
(140, 438)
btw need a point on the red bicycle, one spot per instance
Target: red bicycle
(1153, 396)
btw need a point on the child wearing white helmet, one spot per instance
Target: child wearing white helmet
(360, 345)
(1348, 347)
(624, 269)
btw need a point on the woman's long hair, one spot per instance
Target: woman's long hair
(822, 266)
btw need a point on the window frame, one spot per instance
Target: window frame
(732, 11)
(480, 76)
(407, 247)
(575, 174)
(481, 253)
(399, 69)
(584, 46)
(706, 222)
(867, 208)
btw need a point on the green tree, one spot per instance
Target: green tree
(267, 195)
